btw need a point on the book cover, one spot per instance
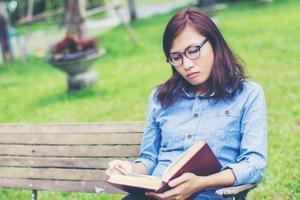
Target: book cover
(198, 159)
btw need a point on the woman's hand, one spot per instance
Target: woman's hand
(181, 188)
(118, 166)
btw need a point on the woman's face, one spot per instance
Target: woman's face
(196, 71)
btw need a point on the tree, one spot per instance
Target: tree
(132, 10)
(7, 54)
(30, 9)
(74, 17)
(203, 3)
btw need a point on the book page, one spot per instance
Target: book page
(174, 162)
(181, 160)
(128, 173)
(143, 181)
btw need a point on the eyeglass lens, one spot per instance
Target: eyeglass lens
(193, 52)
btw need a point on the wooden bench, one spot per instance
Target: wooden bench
(70, 157)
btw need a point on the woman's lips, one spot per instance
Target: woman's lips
(192, 75)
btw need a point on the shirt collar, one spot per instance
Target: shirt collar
(202, 96)
(194, 95)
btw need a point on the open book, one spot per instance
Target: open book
(198, 159)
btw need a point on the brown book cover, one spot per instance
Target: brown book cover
(198, 159)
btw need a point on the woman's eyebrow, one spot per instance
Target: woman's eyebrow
(176, 52)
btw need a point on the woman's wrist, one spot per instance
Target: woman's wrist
(139, 168)
(223, 178)
(203, 183)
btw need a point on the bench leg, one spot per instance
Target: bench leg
(34, 194)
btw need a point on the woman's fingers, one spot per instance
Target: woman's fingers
(112, 168)
(118, 167)
(114, 163)
(111, 171)
(126, 165)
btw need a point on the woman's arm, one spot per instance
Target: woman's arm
(151, 139)
(223, 178)
(251, 163)
(188, 184)
(122, 166)
(139, 168)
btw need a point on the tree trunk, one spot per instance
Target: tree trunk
(132, 10)
(30, 10)
(204, 3)
(6, 50)
(74, 17)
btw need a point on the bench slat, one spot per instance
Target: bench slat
(73, 139)
(64, 157)
(70, 151)
(59, 186)
(109, 127)
(52, 174)
(93, 163)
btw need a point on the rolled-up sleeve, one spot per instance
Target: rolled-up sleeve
(251, 163)
(151, 139)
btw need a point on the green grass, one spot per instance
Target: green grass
(97, 16)
(37, 26)
(266, 37)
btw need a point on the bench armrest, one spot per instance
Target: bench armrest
(236, 191)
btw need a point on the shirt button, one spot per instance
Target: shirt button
(195, 115)
(189, 136)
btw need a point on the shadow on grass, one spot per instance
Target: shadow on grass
(65, 96)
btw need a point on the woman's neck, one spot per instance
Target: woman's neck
(201, 89)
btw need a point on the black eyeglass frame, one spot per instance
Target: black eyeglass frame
(184, 53)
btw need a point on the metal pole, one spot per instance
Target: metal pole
(126, 25)
(34, 194)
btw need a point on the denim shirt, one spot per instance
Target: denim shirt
(235, 129)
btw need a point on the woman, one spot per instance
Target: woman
(207, 98)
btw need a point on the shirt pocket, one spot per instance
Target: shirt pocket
(216, 127)
(172, 141)
(220, 121)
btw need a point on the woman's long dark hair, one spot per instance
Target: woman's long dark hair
(227, 70)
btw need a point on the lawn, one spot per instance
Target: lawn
(265, 36)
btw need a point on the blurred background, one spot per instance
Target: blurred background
(98, 60)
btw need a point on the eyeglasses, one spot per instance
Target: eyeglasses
(192, 52)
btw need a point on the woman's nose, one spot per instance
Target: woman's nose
(187, 63)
